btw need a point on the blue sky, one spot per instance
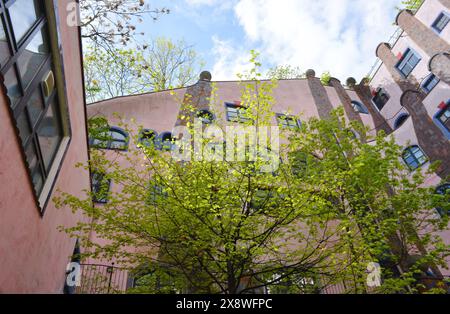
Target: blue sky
(339, 36)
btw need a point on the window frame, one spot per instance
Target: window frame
(142, 139)
(380, 91)
(107, 143)
(409, 150)
(426, 82)
(440, 123)
(358, 104)
(402, 61)
(401, 119)
(240, 118)
(285, 117)
(52, 62)
(438, 19)
(205, 120)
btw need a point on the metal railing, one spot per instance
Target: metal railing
(102, 279)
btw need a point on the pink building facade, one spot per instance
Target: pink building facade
(43, 118)
(43, 122)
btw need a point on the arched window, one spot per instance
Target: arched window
(206, 116)
(116, 138)
(445, 191)
(429, 83)
(359, 107)
(166, 141)
(414, 157)
(400, 120)
(147, 137)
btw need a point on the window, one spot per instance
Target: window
(359, 107)
(116, 139)
(429, 83)
(444, 117)
(400, 120)
(380, 98)
(414, 157)
(166, 141)
(440, 23)
(206, 116)
(100, 187)
(237, 113)
(288, 122)
(157, 193)
(408, 62)
(445, 191)
(26, 64)
(147, 137)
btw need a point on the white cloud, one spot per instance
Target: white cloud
(229, 60)
(337, 35)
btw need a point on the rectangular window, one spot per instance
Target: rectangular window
(286, 121)
(381, 98)
(236, 113)
(441, 22)
(444, 117)
(430, 82)
(26, 61)
(408, 62)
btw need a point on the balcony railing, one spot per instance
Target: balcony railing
(102, 279)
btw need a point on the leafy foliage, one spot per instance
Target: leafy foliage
(227, 227)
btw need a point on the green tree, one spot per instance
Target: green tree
(209, 225)
(157, 66)
(285, 72)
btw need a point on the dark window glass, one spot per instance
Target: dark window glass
(24, 127)
(100, 187)
(33, 56)
(430, 82)
(237, 113)
(408, 62)
(400, 120)
(381, 98)
(147, 137)
(286, 121)
(167, 141)
(444, 190)
(114, 139)
(35, 106)
(35, 169)
(49, 135)
(4, 47)
(359, 107)
(441, 22)
(206, 116)
(444, 117)
(12, 85)
(24, 13)
(414, 157)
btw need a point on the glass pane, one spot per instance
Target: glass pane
(115, 135)
(38, 180)
(12, 85)
(49, 135)
(4, 47)
(23, 126)
(35, 106)
(30, 152)
(23, 14)
(33, 56)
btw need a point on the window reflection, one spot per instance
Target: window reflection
(33, 56)
(35, 106)
(12, 85)
(4, 48)
(49, 135)
(23, 14)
